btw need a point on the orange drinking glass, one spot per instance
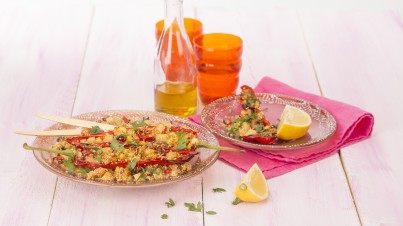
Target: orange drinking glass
(219, 61)
(193, 28)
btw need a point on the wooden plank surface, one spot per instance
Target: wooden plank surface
(274, 45)
(101, 67)
(69, 59)
(118, 69)
(41, 51)
(118, 74)
(358, 58)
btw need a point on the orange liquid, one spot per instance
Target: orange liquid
(215, 83)
(218, 62)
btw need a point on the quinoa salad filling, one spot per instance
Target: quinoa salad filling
(251, 124)
(134, 152)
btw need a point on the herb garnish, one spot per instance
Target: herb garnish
(210, 212)
(236, 201)
(234, 131)
(220, 190)
(115, 145)
(68, 163)
(164, 216)
(259, 128)
(151, 170)
(131, 165)
(182, 138)
(143, 173)
(170, 203)
(200, 166)
(96, 129)
(193, 207)
(132, 144)
(99, 153)
(139, 124)
(84, 171)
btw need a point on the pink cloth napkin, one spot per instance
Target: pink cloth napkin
(353, 125)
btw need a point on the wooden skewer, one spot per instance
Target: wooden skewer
(76, 122)
(68, 121)
(67, 132)
(89, 124)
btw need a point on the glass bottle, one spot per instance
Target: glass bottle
(175, 71)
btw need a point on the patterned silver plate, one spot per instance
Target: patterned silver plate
(200, 163)
(322, 127)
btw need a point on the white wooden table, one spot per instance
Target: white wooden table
(68, 59)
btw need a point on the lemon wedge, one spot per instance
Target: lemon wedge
(294, 123)
(253, 187)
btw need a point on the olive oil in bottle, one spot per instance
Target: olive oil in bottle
(176, 98)
(175, 70)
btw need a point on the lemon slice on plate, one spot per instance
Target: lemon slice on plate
(294, 123)
(253, 187)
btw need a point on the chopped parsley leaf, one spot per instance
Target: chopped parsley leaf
(240, 120)
(200, 166)
(236, 201)
(234, 131)
(115, 145)
(259, 128)
(193, 207)
(84, 171)
(68, 163)
(99, 153)
(132, 144)
(170, 203)
(220, 190)
(182, 139)
(210, 212)
(96, 129)
(151, 170)
(139, 124)
(131, 165)
(164, 216)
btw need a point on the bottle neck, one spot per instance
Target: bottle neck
(173, 11)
